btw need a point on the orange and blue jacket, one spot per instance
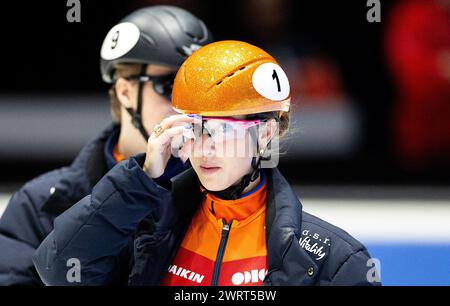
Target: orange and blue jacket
(225, 243)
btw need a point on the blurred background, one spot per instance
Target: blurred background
(369, 148)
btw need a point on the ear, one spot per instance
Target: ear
(124, 92)
(267, 132)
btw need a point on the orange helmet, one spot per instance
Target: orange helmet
(230, 78)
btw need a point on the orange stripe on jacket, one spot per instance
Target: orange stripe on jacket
(245, 256)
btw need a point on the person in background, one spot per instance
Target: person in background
(139, 57)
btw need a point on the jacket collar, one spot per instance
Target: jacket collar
(186, 198)
(289, 263)
(108, 148)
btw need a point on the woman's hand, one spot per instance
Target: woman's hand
(160, 144)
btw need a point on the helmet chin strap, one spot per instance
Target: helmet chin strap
(136, 116)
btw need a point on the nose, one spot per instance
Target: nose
(205, 146)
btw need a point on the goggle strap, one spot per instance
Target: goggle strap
(140, 82)
(136, 117)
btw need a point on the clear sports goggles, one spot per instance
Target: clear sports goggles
(220, 129)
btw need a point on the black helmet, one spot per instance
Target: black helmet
(162, 34)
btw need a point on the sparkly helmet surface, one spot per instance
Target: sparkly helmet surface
(230, 78)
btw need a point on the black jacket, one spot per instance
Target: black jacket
(129, 229)
(29, 216)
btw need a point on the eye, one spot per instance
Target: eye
(211, 132)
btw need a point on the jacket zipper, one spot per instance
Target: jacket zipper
(220, 252)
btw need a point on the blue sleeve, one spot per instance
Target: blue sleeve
(20, 234)
(98, 229)
(356, 270)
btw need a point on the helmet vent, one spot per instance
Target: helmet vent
(230, 75)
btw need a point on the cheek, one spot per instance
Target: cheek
(154, 109)
(154, 103)
(158, 105)
(236, 168)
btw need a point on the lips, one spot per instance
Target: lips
(209, 169)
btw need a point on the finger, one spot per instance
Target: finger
(176, 142)
(189, 133)
(166, 137)
(186, 148)
(178, 119)
(186, 151)
(183, 157)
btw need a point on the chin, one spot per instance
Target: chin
(213, 185)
